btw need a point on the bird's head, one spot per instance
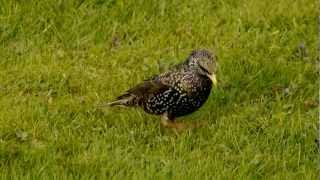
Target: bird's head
(204, 63)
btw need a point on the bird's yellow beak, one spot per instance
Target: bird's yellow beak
(213, 79)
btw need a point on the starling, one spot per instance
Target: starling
(178, 92)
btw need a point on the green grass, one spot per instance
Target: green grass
(59, 59)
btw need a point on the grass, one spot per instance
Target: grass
(59, 59)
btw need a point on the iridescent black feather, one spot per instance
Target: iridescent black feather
(178, 92)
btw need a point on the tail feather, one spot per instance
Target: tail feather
(123, 100)
(136, 95)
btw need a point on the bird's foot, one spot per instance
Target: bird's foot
(178, 127)
(196, 125)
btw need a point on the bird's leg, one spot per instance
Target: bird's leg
(170, 123)
(196, 125)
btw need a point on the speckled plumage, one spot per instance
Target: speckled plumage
(180, 91)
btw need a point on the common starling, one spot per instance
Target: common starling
(178, 92)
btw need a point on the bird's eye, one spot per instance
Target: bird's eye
(203, 68)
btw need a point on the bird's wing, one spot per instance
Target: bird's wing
(142, 91)
(182, 81)
(148, 87)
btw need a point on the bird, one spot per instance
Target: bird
(180, 91)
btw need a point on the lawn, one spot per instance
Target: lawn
(60, 59)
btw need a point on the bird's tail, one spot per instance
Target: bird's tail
(123, 100)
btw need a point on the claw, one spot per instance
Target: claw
(166, 122)
(170, 123)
